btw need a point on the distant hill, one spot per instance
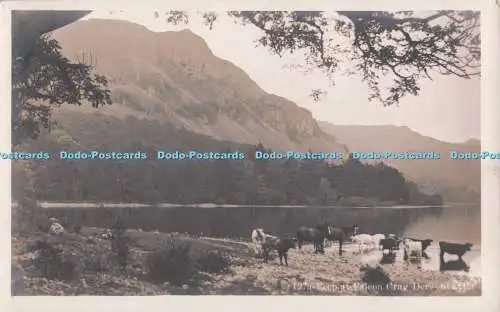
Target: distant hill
(242, 181)
(455, 180)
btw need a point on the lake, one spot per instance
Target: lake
(459, 222)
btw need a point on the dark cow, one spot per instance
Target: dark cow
(399, 240)
(316, 235)
(390, 244)
(281, 245)
(425, 243)
(342, 234)
(454, 249)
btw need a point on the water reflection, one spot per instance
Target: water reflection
(388, 258)
(470, 265)
(453, 265)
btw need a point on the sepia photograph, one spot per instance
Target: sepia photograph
(271, 152)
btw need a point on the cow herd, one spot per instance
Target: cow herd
(264, 243)
(414, 249)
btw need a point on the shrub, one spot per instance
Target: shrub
(171, 263)
(51, 263)
(97, 261)
(375, 276)
(122, 249)
(120, 243)
(379, 281)
(27, 219)
(213, 261)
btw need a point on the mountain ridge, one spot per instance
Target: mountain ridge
(168, 79)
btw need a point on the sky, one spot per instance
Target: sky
(448, 108)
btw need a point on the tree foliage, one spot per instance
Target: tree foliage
(401, 47)
(247, 181)
(45, 78)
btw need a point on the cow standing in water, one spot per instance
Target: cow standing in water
(424, 243)
(412, 250)
(453, 249)
(342, 234)
(316, 235)
(391, 244)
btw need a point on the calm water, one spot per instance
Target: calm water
(451, 223)
(471, 260)
(458, 224)
(455, 224)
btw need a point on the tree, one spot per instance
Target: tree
(28, 26)
(42, 77)
(402, 47)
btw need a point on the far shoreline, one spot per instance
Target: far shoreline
(45, 204)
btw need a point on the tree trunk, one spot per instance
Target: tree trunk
(28, 26)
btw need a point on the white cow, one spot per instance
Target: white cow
(364, 241)
(376, 240)
(412, 250)
(259, 238)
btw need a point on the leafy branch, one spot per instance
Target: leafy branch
(399, 46)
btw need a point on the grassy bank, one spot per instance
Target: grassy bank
(230, 270)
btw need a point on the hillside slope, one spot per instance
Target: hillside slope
(456, 180)
(175, 78)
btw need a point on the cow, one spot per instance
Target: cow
(390, 244)
(341, 234)
(377, 238)
(454, 249)
(316, 235)
(259, 238)
(281, 245)
(364, 241)
(412, 250)
(424, 242)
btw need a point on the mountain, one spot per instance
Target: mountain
(173, 77)
(455, 180)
